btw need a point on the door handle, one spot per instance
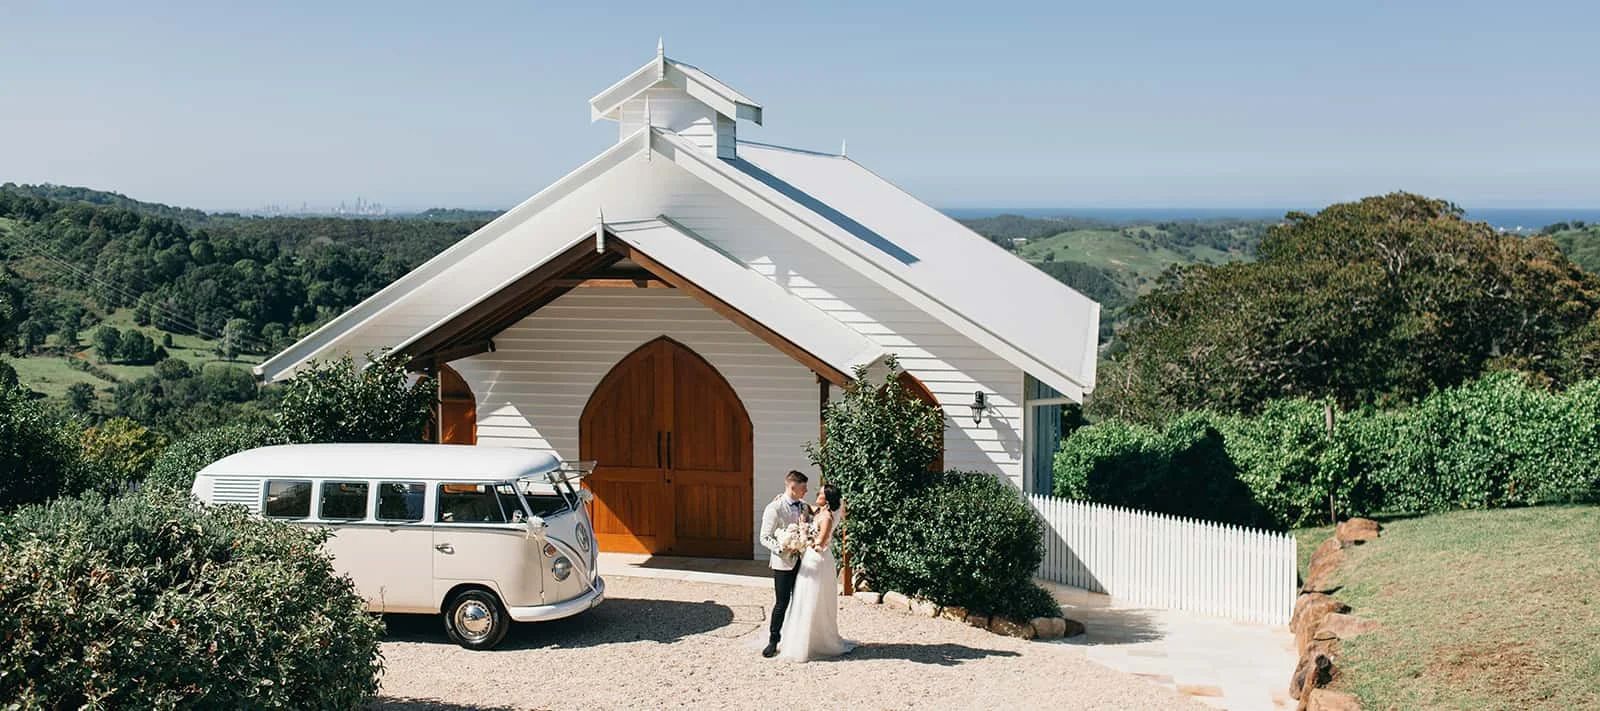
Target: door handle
(444, 548)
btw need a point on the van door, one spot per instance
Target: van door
(399, 547)
(479, 537)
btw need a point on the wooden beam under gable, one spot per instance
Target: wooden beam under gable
(728, 311)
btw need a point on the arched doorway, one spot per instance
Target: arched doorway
(456, 416)
(674, 456)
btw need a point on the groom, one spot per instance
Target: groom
(789, 507)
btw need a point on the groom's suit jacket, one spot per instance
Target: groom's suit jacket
(778, 514)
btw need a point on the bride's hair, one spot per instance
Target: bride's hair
(831, 494)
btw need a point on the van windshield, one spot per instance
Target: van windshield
(543, 500)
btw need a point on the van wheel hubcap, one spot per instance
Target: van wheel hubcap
(474, 619)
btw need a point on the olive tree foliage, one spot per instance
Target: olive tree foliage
(1378, 301)
(337, 401)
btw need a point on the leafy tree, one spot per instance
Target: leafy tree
(235, 338)
(107, 343)
(335, 401)
(117, 452)
(175, 468)
(8, 375)
(38, 453)
(173, 369)
(1377, 301)
(80, 398)
(137, 348)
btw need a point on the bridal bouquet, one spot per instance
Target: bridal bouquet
(795, 537)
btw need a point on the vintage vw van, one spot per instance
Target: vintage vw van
(485, 535)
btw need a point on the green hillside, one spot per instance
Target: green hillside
(1580, 242)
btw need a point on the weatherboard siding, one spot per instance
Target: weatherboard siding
(532, 390)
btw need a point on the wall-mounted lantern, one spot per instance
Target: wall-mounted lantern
(979, 404)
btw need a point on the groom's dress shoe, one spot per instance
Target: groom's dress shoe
(770, 652)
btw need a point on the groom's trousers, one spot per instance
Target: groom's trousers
(783, 585)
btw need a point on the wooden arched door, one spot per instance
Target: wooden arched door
(674, 456)
(916, 389)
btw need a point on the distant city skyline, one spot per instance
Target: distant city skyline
(1049, 105)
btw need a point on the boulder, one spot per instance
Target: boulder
(1048, 627)
(896, 601)
(871, 598)
(1341, 626)
(1314, 670)
(1071, 627)
(1325, 700)
(924, 608)
(959, 614)
(1356, 531)
(1010, 627)
(1321, 573)
(1310, 609)
(978, 620)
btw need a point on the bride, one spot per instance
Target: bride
(811, 627)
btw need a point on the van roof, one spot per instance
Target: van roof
(418, 461)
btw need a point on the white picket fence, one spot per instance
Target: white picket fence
(1168, 562)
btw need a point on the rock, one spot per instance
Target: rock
(1309, 612)
(1341, 626)
(1321, 573)
(1071, 628)
(1315, 668)
(924, 608)
(896, 601)
(1356, 531)
(977, 620)
(1010, 628)
(871, 598)
(959, 614)
(1324, 700)
(1048, 627)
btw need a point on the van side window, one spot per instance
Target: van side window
(400, 500)
(469, 503)
(344, 500)
(287, 499)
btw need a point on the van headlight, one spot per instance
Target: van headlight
(583, 538)
(561, 568)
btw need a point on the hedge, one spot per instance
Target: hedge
(174, 470)
(1495, 441)
(39, 455)
(154, 602)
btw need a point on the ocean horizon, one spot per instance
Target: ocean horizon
(1508, 218)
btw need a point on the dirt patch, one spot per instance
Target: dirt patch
(1508, 670)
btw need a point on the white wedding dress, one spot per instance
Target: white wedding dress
(811, 626)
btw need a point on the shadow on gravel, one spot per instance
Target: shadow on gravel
(944, 655)
(615, 621)
(406, 703)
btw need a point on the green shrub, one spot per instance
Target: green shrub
(174, 470)
(968, 539)
(150, 602)
(957, 538)
(880, 443)
(336, 401)
(38, 453)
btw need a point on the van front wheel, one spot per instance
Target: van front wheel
(475, 620)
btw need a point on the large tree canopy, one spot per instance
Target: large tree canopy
(1380, 300)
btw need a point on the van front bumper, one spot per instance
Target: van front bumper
(568, 608)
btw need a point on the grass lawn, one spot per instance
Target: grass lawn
(1480, 610)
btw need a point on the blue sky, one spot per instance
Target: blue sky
(1222, 104)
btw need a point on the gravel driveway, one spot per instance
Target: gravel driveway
(664, 643)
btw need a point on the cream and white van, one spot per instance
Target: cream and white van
(485, 535)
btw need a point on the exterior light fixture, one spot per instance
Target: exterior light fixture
(979, 404)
